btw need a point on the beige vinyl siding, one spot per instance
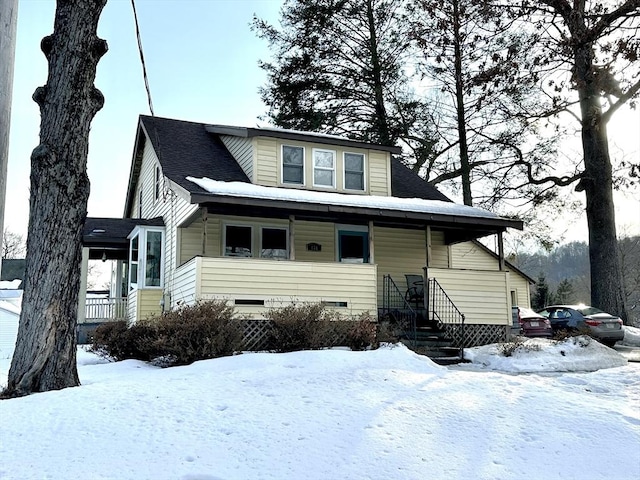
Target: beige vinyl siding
(149, 303)
(269, 166)
(521, 286)
(191, 240)
(185, 284)
(143, 303)
(482, 296)
(439, 251)
(282, 283)
(470, 256)
(242, 150)
(323, 233)
(267, 169)
(398, 252)
(379, 173)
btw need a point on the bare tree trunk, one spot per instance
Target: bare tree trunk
(45, 354)
(607, 289)
(465, 168)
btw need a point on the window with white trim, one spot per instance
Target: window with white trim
(238, 241)
(324, 168)
(274, 243)
(354, 171)
(293, 165)
(146, 263)
(133, 262)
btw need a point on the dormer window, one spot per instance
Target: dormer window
(324, 168)
(354, 171)
(292, 165)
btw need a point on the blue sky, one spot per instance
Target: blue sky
(202, 62)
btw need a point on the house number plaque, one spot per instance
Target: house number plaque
(314, 247)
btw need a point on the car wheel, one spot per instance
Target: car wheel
(609, 343)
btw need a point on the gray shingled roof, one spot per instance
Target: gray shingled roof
(187, 149)
(113, 232)
(194, 149)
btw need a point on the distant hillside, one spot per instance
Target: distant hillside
(565, 270)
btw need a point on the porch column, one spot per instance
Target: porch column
(428, 241)
(500, 252)
(205, 217)
(371, 243)
(292, 237)
(82, 295)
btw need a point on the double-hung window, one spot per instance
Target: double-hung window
(324, 168)
(292, 165)
(354, 171)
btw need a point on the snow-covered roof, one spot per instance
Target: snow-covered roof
(418, 205)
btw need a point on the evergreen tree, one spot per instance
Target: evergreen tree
(543, 295)
(564, 292)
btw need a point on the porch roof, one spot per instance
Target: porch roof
(108, 236)
(460, 222)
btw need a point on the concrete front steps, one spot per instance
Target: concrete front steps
(432, 343)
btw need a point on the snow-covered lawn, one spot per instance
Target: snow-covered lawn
(385, 414)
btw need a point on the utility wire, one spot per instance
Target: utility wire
(144, 67)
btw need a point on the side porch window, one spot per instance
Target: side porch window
(146, 258)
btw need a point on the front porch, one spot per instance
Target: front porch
(254, 285)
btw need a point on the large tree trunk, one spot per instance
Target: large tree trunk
(45, 354)
(607, 290)
(465, 168)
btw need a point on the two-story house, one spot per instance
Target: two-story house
(263, 217)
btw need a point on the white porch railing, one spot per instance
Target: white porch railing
(105, 309)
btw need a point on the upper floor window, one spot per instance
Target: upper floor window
(354, 171)
(157, 180)
(324, 166)
(292, 165)
(140, 203)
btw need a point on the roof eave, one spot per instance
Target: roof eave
(497, 224)
(299, 136)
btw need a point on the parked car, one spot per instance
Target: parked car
(533, 324)
(602, 326)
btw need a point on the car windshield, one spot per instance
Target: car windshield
(589, 310)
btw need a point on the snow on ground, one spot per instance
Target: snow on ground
(334, 414)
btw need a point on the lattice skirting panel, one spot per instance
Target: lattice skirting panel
(256, 334)
(475, 335)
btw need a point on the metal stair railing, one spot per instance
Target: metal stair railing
(399, 311)
(442, 310)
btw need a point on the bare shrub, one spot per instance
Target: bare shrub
(310, 326)
(208, 329)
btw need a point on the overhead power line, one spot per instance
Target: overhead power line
(144, 67)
